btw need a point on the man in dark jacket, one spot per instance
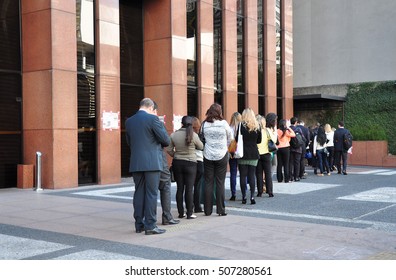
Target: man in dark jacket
(165, 194)
(339, 149)
(295, 152)
(165, 187)
(146, 136)
(305, 132)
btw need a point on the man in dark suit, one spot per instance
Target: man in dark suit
(305, 131)
(146, 136)
(339, 150)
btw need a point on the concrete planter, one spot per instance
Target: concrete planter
(372, 153)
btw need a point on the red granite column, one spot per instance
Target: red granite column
(230, 67)
(108, 90)
(50, 90)
(251, 55)
(165, 64)
(205, 56)
(287, 57)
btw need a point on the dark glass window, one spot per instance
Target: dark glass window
(86, 90)
(10, 93)
(192, 101)
(241, 56)
(131, 58)
(279, 83)
(131, 42)
(217, 48)
(260, 52)
(192, 92)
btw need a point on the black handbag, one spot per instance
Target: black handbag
(271, 145)
(172, 175)
(201, 134)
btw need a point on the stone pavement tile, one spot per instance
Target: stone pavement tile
(383, 256)
(230, 237)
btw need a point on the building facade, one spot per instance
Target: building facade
(73, 71)
(338, 43)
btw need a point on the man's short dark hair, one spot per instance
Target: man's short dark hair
(293, 120)
(341, 123)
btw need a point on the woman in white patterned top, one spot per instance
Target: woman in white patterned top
(218, 135)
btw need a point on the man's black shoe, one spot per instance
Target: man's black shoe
(140, 230)
(344, 172)
(155, 231)
(171, 222)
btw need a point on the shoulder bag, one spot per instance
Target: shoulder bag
(239, 149)
(271, 145)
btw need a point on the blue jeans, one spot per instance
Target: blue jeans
(323, 163)
(233, 162)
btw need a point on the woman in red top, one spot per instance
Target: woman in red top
(283, 153)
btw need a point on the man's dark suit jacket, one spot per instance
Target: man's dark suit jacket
(146, 136)
(339, 139)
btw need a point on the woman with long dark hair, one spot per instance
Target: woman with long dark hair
(182, 148)
(320, 150)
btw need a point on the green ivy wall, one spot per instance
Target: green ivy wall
(370, 112)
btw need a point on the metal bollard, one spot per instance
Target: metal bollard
(38, 172)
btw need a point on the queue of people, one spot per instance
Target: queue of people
(202, 152)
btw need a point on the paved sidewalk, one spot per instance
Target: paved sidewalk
(51, 225)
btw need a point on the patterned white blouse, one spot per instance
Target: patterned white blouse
(218, 136)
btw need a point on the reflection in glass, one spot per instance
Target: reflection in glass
(218, 55)
(86, 90)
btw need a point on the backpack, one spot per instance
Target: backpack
(347, 140)
(297, 142)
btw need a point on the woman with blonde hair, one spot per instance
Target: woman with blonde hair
(330, 145)
(265, 162)
(233, 162)
(251, 135)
